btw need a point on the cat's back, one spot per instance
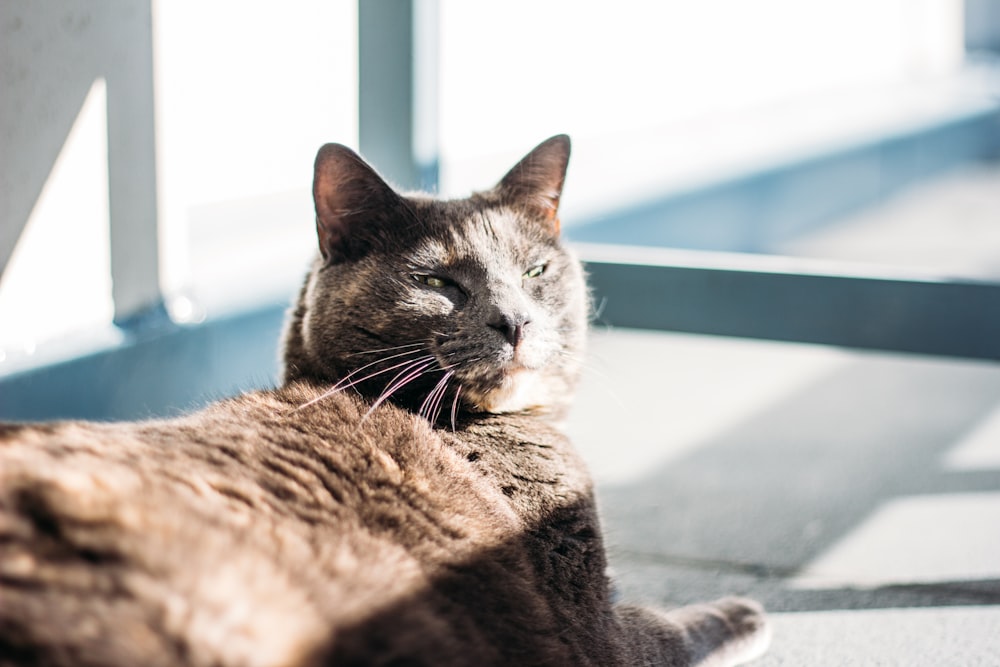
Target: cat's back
(272, 452)
(245, 533)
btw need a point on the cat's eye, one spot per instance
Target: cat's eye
(431, 281)
(535, 271)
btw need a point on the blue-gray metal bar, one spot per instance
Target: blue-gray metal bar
(810, 302)
(397, 89)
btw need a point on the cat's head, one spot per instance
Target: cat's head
(471, 304)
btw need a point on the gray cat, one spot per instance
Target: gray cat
(404, 498)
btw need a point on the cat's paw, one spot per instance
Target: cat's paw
(750, 628)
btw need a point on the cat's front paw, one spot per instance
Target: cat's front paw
(750, 629)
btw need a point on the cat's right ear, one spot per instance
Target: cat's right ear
(349, 196)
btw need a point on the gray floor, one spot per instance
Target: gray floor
(857, 495)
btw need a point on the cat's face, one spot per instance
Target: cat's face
(442, 306)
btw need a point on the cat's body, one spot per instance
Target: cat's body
(393, 503)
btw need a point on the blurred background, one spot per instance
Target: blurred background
(662, 99)
(816, 183)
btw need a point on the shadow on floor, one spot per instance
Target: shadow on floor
(746, 512)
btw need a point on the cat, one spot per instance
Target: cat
(404, 497)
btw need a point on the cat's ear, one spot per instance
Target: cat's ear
(535, 183)
(350, 196)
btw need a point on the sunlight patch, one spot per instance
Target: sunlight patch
(980, 449)
(916, 539)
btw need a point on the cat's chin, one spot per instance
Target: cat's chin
(520, 389)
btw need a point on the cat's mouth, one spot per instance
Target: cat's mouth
(495, 372)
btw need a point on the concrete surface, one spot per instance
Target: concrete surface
(857, 495)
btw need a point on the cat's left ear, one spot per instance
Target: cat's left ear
(535, 183)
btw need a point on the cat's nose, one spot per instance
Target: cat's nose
(511, 326)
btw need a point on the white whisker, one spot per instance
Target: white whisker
(440, 397)
(431, 397)
(346, 382)
(415, 370)
(454, 408)
(369, 365)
